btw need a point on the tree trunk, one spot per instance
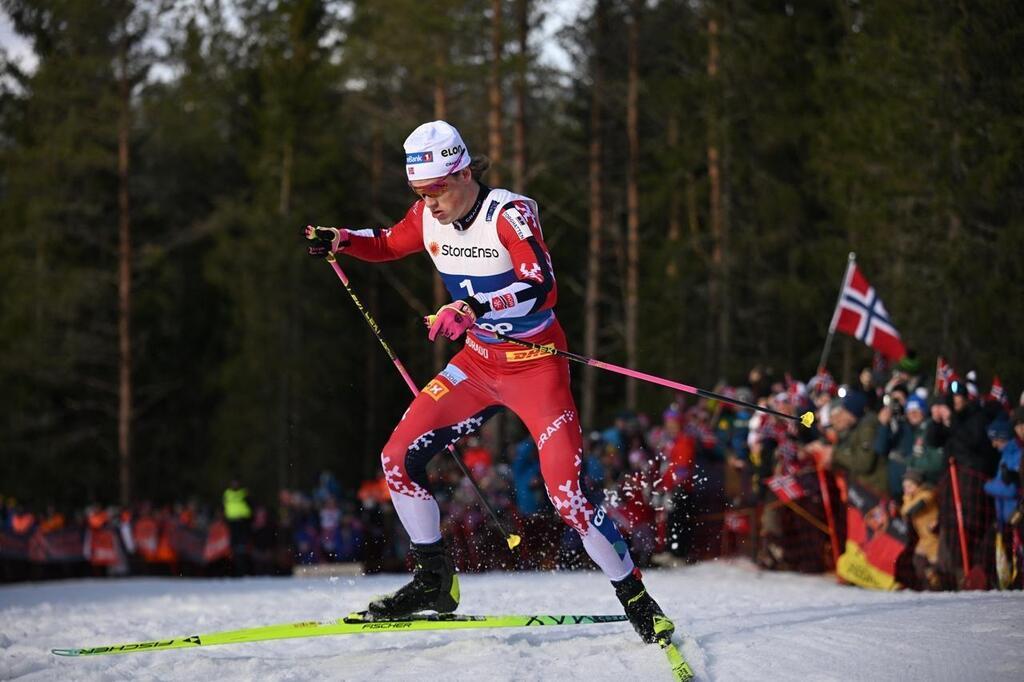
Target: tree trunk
(284, 392)
(674, 204)
(519, 125)
(494, 137)
(633, 201)
(674, 247)
(718, 333)
(591, 310)
(124, 284)
(285, 195)
(954, 229)
(441, 113)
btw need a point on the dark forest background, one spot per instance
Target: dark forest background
(702, 172)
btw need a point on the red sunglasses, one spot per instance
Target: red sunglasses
(438, 187)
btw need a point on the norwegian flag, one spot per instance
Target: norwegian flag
(997, 393)
(944, 375)
(822, 382)
(786, 488)
(737, 522)
(860, 314)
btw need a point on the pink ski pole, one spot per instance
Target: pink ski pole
(807, 418)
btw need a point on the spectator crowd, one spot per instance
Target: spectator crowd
(934, 465)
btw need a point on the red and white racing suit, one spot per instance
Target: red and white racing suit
(496, 255)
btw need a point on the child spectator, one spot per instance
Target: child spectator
(921, 510)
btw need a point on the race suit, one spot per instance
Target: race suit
(497, 256)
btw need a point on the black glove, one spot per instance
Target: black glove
(324, 241)
(1008, 475)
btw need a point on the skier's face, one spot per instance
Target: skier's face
(448, 198)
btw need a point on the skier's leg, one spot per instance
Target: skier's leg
(454, 404)
(542, 399)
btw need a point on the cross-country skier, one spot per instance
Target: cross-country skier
(488, 246)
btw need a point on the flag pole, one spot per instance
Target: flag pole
(835, 314)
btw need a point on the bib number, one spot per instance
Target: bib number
(500, 327)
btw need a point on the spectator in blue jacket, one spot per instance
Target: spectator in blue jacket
(526, 476)
(1004, 487)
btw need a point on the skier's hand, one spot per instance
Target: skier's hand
(451, 321)
(325, 241)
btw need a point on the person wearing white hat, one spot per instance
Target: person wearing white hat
(488, 246)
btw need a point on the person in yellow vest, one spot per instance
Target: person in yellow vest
(238, 516)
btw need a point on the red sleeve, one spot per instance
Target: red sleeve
(398, 241)
(519, 231)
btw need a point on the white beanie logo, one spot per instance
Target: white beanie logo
(434, 150)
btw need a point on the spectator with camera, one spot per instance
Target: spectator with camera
(895, 437)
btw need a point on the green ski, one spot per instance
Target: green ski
(355, 624)
(680, 668)
(663, 629)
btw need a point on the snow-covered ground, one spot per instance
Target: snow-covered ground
(740, 624)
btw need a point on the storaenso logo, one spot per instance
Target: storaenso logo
(452, 151)
(469, 251)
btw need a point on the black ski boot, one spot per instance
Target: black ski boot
(434, 586)
(649, 621)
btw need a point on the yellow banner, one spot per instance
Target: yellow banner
(855, 568)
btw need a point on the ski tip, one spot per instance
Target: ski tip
(807, 419)
(66, 652)
(513, 541)
(681, 670)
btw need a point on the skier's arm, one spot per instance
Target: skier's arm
(534, 288)
(398, 241)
